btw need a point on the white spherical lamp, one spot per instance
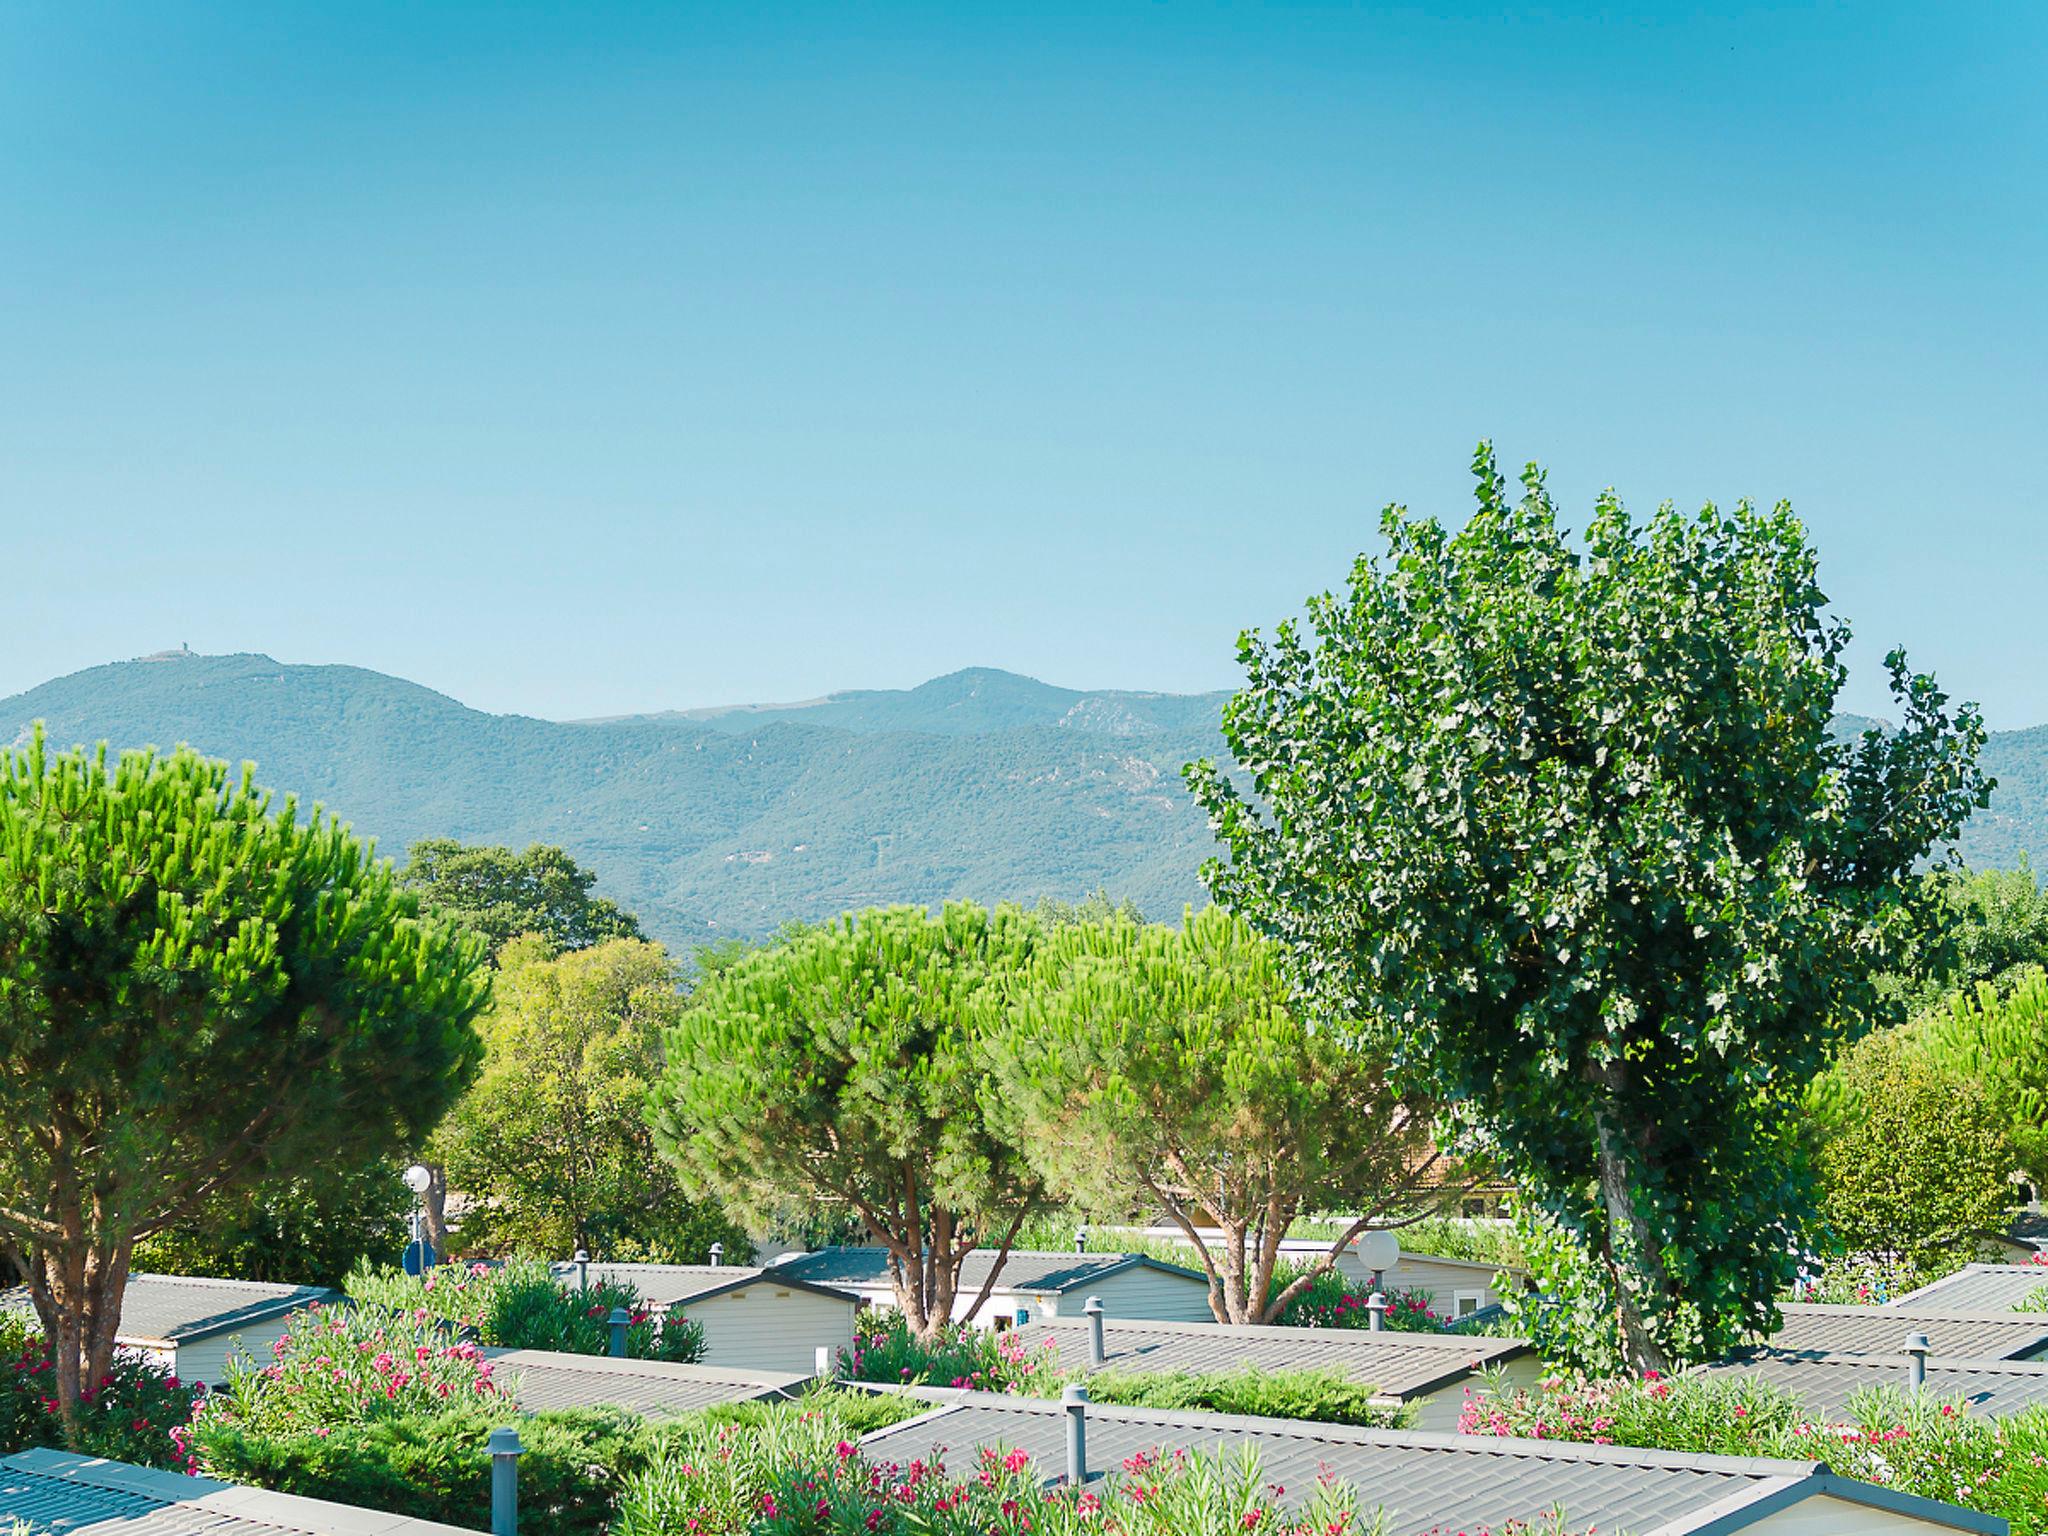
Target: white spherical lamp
(1377, 1251)
(418, 1179)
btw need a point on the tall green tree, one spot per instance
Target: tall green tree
(501, 894)
(308, 1227)
(841, 1066)
(1997, 1038)
(552, 1142)
(196, 994)
(1165, 1068)
(1564, 829)
(1995, 929)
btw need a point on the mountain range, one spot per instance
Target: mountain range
(715, 823)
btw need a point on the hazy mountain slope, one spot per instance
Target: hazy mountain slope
(980, 784)
(705, 830)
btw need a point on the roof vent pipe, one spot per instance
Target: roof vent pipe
(1917, 1351)
(582, 1263)
(1074, 1399)
(505, 1451)
(717, 1254)
(1376, 1310)
(620, 1321)
(1098, 1352)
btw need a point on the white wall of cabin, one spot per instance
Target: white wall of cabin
(770, 1327)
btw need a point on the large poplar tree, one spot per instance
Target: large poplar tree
(197, 993)
(1568, 819)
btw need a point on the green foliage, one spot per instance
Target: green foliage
(1914, 1442)
(198, 994)
(1326, 1396)
(308, 1230)
(795, 1477)
(129, 1415)
(1997, 1036)
(1146, 1065)
(1995, 928)
(520, 1305)
(1919, 1167)
(1327, 1300)
(841, 1066)
(501, 895)
(552, 1143)
(434, 1466)
(887, 1349)
(1566, 830)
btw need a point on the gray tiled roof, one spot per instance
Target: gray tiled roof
(1397, 1364)
(1833, 1330)
(1979, 1288)
(1993, 1388)
(674, 1285)
(1037, 1273)
(171, 1309)
(1423, 1483)
(545, 1378)
(54, 1494)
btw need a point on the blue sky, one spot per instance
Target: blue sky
(576, 360)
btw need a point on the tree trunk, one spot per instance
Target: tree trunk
(1639, 1344)
(77, 1294)
(437, 1209)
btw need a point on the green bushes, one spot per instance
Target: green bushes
(1913, 1442)
(797, 1477)
(434, 1465)
(522, 1306)
(1327, 1396)
(885, 1349)
(1334, 1302)
(129, 1415)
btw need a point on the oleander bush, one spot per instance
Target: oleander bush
(521, 1305)
(885, 1350)
(1917, 1443)
(1332, 1301)
(128, 1415)
(1327, 1396)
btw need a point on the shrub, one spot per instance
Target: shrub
(1916, 1443)
(434, 1464)
(521, 1305)
(309, 1230)
(1334, 1302)
(794, 1477)
(885, 1349)
(130, 1415)
(1326, 1396)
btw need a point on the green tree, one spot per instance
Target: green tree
(841, 1066)
(1995, 929)
(1998, 1038)
(1149, 1066)
(196, 995)
(501, 894)
(1917, 1168)
(1567, 832)
(552, 1142)
(308, 1228)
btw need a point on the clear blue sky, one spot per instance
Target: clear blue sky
(593, 358)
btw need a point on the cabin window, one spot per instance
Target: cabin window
(1465, 1303)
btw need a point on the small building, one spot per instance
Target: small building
(193, 1325)
(1030, 1285)
(1435, 1483)
(1814, 1328)
(1990, 1388)
(753, 1319)
(1979, 1288)
(54, 1493)
(1426, 1372)
(1457, 1287)
(545, 1378)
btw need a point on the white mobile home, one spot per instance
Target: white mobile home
(753, 1319)
(194, 1325)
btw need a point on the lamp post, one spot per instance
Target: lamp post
(419, 1254)
(1379, 1251)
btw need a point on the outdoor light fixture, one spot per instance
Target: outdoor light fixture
(419, 1178)
(1378, 1251)
(419, 1253)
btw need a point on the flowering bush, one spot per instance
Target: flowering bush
(129, 1415)
(1326, 1396)
(884, 1349)
(1334, 1302)
(1913, 1442)
(520, 1305)
(792, 1477)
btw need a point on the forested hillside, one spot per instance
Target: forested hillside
(982, 784)
(721, 822)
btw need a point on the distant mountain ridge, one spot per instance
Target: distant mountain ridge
(718, 822)
(981, 784)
